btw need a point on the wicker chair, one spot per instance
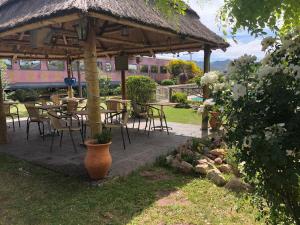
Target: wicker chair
(55, 99)
(139, 112)
(60, 125)
(34, 116)
(120, 120)
(10, 114)
(155, 113)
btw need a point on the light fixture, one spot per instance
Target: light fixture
(124, 31)
(82, 29)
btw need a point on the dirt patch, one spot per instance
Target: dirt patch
(173, 198)
(155, 175)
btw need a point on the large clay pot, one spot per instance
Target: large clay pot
(97, 160)
(215, 122)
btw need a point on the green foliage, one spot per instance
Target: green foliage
(261, 107)
(179, 97)
(167, 82)
(25, 95)
(107, 88)
(140, 89)
(178, 67)
(257, 16)
(3, 77)
(104, 138)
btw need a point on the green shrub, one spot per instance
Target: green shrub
(167, 82)
(25, 95)
(140, 89)
(179, 98)
(104, 138)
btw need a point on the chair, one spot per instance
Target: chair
(139, 111)
(34, 116)
(10, 114)
(155, 113)
(120, 120)
(55, 99)
(60, 125)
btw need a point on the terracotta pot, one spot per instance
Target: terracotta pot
(97, 160)
(215, 122)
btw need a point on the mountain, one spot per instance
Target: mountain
(217, 65)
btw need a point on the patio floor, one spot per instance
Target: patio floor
(143, 150)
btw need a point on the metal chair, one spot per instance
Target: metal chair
(155, 113)
(140, 112)
(34, 116)
(10, 114)
(60, 125)
(120, 120)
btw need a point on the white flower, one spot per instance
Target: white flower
(209, 102)
(239, 91)
(290, 153)
(210, 78)
(247, 142)
(268, 135)
(219, 87)
(266, 70)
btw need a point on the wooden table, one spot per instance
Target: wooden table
(48, 107)
(162, 115)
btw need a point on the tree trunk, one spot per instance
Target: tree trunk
(69, 71)
(3, 126)
(205, 116)
(123, 83)
(92, 79)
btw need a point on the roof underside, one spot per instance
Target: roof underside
(46, 29)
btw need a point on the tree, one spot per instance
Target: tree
(3, 134)
(183, 70)
(255, 15)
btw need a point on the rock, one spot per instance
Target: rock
(218, 161)
(216, 177)
(169, 159)
(202, 161)
(218, 152)
(211, 156)
(225, 168)
(176, 163)
(208, 159)
(202, 169)
(237, 185)
(186, 167)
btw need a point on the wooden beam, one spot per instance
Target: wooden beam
(119, 41)
(41, 23)
(92, 79)
(206, 91)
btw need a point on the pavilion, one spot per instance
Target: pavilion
(87, 29)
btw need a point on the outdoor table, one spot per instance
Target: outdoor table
(162, 115)
(48, 107)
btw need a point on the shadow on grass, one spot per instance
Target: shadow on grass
(32, 195)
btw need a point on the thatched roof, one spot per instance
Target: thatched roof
(144, 21)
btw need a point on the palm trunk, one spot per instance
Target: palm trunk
(92, 79)
(3, 126)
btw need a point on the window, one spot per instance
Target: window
(8, 63)
(154, 69)
(74, 65)
(144, 68)
(132, 68)
(30, 64)
(56, 65)
(163, 70)
(108, 67)
(100, 65)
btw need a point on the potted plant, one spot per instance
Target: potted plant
(215, 120)
(98, 159)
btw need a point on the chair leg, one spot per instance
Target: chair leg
(149, 127)
(122, 133)
(166, 125)
(128, 134)
(27, 129)
(43, 130)
(73, 142)
(146, 124)
(39, 128)
(82, 137)
(52, 140)
(139, 124)
(19, 120)
(61, 137)
(133, 122)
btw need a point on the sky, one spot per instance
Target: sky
(246, 44)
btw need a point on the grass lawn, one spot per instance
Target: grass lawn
(153, 195)
(187, 116)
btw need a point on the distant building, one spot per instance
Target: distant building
(51, 74)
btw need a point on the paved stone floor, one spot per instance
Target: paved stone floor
(143, 150)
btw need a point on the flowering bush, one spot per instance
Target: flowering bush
(262, 109)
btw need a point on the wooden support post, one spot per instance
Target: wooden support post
(92, 78)
(3, 126)
(79, 80)
(69, 71)
(205, 115)
(123, 84)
